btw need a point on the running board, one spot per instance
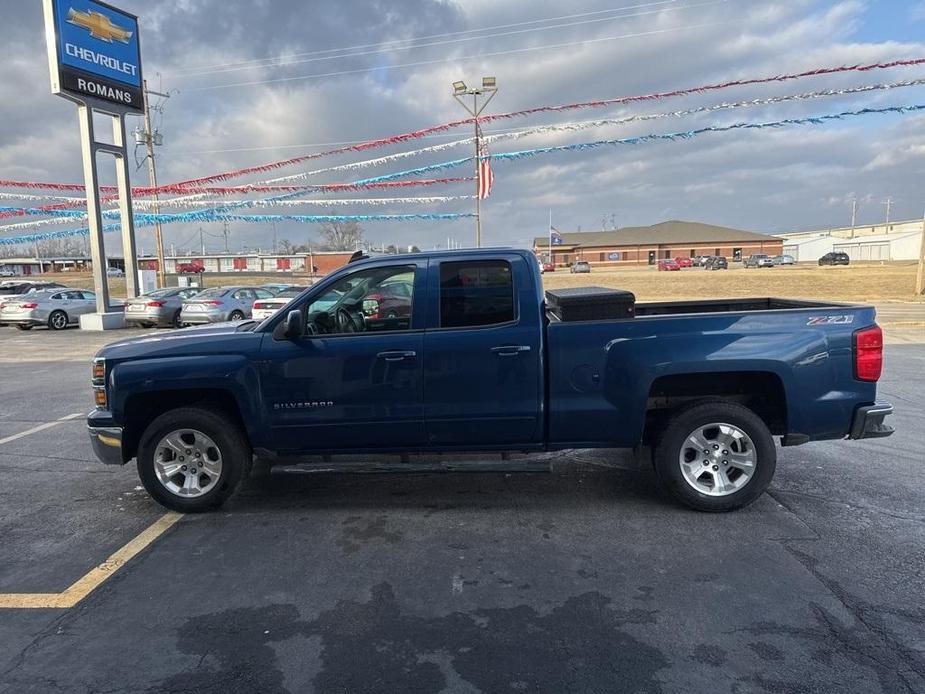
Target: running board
(414, 463)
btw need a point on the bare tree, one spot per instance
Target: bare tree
(342, 236)
(286, 247)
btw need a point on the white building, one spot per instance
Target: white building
(878, 242)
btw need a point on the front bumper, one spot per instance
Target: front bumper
(868, 422)
(107, 444)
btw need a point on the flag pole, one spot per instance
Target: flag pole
(551, 261)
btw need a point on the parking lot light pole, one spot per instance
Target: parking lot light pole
(920, 273)
(489, 87)
(152, 138)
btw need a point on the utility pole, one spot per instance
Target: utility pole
(202, 243)
(889, 207)
(854, 215)
(489, 87)
(225, 233)
(274, 237)
(150, 138)
(920, 273)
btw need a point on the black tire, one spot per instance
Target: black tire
(23, 326)
(234, 448)
(699, 414)
(58, 320)
(236, 315)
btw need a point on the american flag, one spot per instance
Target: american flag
(486, 175)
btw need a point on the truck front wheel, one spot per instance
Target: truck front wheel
(192, 459)
(715, 456)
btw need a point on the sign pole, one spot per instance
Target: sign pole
(126, 214)
(94, 217)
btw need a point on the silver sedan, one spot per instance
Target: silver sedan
(56, 308)
(159, 308)
(220, 304)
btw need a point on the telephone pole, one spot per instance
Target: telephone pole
(920, 273)
(889, 208)
(854, 215)
(150, 138)
(489, 87)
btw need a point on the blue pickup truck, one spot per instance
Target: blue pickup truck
(460, 351)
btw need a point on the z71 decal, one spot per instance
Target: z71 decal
(830, 320)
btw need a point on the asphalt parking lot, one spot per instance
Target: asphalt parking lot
(588, 579)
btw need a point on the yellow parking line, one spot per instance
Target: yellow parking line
(40, 427)
(94, 578)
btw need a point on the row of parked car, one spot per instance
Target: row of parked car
(27, 304)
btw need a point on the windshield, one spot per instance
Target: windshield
(157, 293)
(290, 293)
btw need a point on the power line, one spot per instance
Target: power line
(256, 62)
(478, 56)
(288, 61)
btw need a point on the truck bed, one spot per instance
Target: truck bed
(673, 308)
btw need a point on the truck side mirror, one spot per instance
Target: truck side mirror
(295, 326)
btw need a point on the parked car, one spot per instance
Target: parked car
(6, 272)
(758, 260)
(220, 304)
(485, 364)
(580, 266)
(159, 308)
(264, 308)
(277, 287)
(835, 258)
(668, 264)
(684, 262)
(17, 288)
(703, 259)
(114, 272)
(783, 260)
(549, 267)
(56, 308)
(389, 300)
(189, 268)
(717, 262)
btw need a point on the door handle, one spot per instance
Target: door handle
(510, 350)
(397, 355)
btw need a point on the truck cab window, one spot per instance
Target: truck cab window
(476, 293)
(372, 300)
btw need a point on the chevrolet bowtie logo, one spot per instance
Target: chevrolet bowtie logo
(99, 26)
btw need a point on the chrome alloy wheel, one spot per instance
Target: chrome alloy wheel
(58, 320)
(187, 463)
(717, 459)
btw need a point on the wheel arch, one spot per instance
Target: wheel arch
(762, 392)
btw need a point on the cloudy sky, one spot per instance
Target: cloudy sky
(260, 80)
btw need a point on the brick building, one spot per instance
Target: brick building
(648, 245)
(321, 262)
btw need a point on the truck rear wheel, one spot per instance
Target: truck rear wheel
(715, 456)
(192, 459)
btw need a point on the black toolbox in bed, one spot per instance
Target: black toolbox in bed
(590, 303)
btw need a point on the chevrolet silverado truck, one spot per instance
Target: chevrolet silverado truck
(478, 361)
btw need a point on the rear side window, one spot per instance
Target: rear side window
(476, 293)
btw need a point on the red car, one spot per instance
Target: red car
(391, 300)
(549, 267)
(668, 264)
(190, 268)
(684, 262)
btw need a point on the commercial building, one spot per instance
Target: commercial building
(649, 244)
(872, 243)
(319, 263)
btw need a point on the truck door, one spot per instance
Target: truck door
(354, 380)
(482, 353)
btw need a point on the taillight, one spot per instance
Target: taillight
(155, 304)
(28, 306)
(258, 304)
(212, 302)
(868, 354)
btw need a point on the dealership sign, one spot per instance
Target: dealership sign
(93, 53)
